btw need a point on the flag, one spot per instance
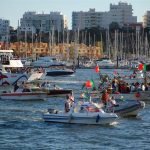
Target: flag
(93, 84)
(142, 67)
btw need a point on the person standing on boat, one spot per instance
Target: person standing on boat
(105, 98)
(69, 102)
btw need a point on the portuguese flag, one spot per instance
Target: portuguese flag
(142, 67)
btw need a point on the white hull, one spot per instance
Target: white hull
(79, 118)
(130, 110)
(24, 96)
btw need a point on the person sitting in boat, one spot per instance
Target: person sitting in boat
(105, 98)
(56, 87)
(132, 87)
(16, 87)
(113, 101)
(26, 90)
(143, 87)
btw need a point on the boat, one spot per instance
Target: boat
(59, 72)
(24, 94)
(9, 68)
(47, 61)
(51, 90)
(121, 107)
(127, 108)
(86, 113)
(105, 63)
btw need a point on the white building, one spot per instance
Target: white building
(4, 30)
(89, 19)
(120, 13)
(146, 19)
(34, 22)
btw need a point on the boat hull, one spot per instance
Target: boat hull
(58, 92)
(129, 108)
(75, 118)
(24, 96)
(59, 73)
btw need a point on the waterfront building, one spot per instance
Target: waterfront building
(33, 22)
(120, 13)
(146, 19)
(65, 51)
(4, 30)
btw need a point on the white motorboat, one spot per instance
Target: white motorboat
(9, 63)
(122, 107)
(127, 108)
(105, 63)
(86, 113)
(46, 62)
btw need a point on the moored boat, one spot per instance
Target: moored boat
(59, 72)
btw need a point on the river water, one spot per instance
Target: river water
(22, 126)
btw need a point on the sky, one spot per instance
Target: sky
(13, 10)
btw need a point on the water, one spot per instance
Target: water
(22, 127)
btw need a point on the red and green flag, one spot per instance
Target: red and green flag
(142, 67)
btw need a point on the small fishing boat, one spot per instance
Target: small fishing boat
(86, 113)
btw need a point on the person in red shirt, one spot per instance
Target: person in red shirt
(105, 98)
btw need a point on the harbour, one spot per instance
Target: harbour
(74, 76)
(22, 126)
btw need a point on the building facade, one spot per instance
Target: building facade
(120, 13)
(146, 19)
(4, 30)
(89, 19)
(33, 22)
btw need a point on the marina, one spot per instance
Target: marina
(75, 76)
(17, 116)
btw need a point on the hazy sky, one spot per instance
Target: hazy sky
(14, 9)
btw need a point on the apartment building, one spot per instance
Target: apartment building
(146, 19)
(31, 21)
(4, 30)
(122, 13)
(89, 19)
